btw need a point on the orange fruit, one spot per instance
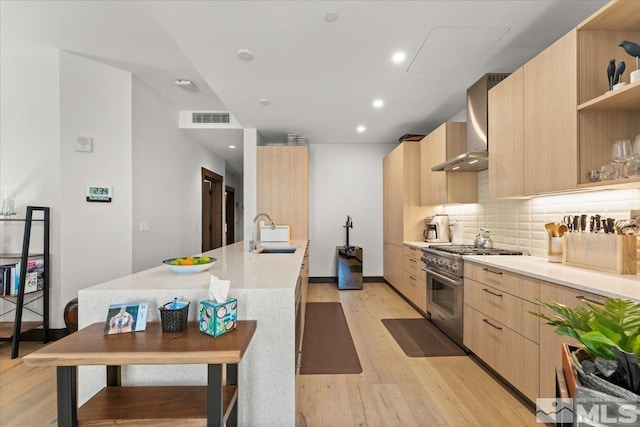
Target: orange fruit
(187, 261)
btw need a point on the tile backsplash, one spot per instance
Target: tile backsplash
(519, 224)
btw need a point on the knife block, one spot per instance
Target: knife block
(612, 253)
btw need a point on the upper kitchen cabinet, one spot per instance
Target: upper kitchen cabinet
(283, 186)
(440, 188)
(606, 116)
(550, 118)
(506, 121)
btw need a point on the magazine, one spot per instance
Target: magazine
(130, 317)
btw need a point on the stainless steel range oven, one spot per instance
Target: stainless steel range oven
(445, 290)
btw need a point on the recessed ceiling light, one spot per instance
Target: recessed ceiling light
(473, 162)
(398, 57)
(378, 103)
(232, 146)
(455, 168)
(245, 54)
(361, 129)
(331, 16)
(265, 101)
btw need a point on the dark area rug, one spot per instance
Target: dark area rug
(327, 346)
(420, 338)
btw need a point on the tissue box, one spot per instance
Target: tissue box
(218, 318)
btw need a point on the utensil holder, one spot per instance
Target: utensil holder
(554, 251)
(173, 320)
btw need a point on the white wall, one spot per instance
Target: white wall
(30, 150)
(345, 179)
(166, 181)
(95, 101)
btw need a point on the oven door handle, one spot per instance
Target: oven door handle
(448, 279)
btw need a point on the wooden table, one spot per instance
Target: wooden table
(216, 402)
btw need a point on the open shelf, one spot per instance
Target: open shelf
(616, 15)
(179, 403)
(6, 328)
(616, 184)
(624, 99)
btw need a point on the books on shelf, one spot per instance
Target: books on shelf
(10, 277)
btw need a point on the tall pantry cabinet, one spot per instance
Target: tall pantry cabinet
(402, 215)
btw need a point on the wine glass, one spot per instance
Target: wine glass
(632, 167)
(620, 153)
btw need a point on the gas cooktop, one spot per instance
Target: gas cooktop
(472, 250)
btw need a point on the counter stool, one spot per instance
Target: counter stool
(71, 315)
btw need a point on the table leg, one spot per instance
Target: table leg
(67, 396)
(113, 376)
(232, 379)
(215, 409)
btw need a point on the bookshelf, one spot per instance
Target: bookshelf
(12, 330)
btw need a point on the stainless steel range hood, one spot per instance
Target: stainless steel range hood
(477, 157)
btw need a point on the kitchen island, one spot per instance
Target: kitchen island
(265, 286)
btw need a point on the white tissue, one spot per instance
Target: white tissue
(218, 289)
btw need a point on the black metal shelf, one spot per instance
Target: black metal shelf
(19, 327)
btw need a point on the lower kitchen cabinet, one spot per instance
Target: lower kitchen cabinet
(550, 342)
(510, 354)
(393, 271)
(415, 279)
(498, 327)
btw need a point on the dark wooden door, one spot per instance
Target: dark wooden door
(230, 213)
(211, 210)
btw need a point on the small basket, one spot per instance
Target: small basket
(173, 320)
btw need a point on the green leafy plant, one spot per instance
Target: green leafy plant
(616, 324)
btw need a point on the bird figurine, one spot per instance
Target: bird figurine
(633, 49)
(610, 72)
(617, 78)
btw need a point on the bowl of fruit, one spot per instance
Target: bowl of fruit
(190, 264)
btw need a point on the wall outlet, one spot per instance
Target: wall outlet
(145, 226)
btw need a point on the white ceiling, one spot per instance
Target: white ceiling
(320, 76)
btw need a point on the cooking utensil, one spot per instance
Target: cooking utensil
(610, 222)
(568, 220)
(561, 229)
(551, 229)
(583, 223)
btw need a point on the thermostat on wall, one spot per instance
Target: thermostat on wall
(99, 194)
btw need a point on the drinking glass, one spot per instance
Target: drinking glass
(620, 153)
(632, 167)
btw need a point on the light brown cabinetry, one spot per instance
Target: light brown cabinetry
(414, 287)
(283, 186)
(402, 216)
(550, 118)
(506, 121)
(439, 188)
(550, 342)
(498, 327)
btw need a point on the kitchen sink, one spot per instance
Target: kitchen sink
(277, 250)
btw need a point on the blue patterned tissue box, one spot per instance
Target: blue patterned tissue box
(218, 318)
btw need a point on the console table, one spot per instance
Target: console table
(216, 403)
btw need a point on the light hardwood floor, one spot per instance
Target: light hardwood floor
(393, 389)
(397, 390)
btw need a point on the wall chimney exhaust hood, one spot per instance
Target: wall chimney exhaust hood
(477, 157)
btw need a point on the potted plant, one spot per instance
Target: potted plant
(611, 338)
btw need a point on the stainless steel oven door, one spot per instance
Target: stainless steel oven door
(445, 299)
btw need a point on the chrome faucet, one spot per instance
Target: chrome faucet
(253, 244)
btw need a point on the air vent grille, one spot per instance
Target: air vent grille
(210, 118)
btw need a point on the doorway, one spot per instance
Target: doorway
(211, 210)
(230, 215)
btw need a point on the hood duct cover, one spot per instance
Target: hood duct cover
(477, 157)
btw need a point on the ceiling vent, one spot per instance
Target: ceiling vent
(205, 117)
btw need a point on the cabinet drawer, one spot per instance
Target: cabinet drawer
(413, 267)
(505, 308)
(510, 354)
(413, 252)
(515, 284)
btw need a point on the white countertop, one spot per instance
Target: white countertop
(245, 270)
(422, 244)
(605, 284)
